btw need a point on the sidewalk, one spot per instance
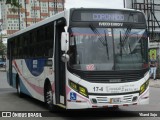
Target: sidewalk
(154, 83)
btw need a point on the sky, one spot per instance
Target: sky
(94, 3)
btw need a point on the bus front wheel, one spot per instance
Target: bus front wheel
(48, 96)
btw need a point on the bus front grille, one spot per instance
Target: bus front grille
(113, 77)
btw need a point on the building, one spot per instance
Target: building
(30, 12)
(151, 9)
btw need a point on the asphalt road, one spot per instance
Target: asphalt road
(9, 101)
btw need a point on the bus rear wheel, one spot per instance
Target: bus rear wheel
(48, 97)
(20, 94)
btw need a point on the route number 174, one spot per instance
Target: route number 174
(96, 89)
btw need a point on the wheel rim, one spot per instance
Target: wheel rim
(49, 98)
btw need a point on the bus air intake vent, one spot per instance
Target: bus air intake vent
(113, 77)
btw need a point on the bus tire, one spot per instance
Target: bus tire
(20, 94)
(48, 96)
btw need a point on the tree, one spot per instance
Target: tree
(3, 49)
(13, 3)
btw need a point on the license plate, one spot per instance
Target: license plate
(115, 100)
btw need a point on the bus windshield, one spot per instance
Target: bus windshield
(107, 49)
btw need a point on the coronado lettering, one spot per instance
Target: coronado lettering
(110, 24)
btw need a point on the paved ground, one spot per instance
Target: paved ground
(10, 101)
(3, 79)
(155, 83)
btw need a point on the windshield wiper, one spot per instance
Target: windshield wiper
(103, 40)
(97, 33)
(121, 45)
(106, 44)
(126, 35)
(129, 28)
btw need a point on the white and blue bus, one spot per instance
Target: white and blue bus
(82, 58)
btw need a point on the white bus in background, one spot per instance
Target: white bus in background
(82, 58)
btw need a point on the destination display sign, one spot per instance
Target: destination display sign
(102, 16)
(107, 16)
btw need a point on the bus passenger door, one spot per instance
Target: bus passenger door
(59, 65)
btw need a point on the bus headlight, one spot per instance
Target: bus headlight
(73, 85)
(83, 91)
(80, 89)
(144, 87)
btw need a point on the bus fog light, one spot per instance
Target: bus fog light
(134, 98)
(94, 101)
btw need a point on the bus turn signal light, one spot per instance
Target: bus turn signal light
(144, 87)
(83, 91)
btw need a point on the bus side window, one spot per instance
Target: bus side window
(34, 36)
(49, 38)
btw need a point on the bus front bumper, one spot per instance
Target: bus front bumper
(108, 101)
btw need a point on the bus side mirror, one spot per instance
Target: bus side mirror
(64, 41)
(65, 57)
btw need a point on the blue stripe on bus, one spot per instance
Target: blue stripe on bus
(13, 84)
(14, 80)
(24, 89)
(22, 86)
(35, 66)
